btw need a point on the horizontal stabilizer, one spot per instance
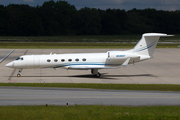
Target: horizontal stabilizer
(125, 63)
(156, 35)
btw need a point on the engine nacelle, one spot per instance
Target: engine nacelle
(121, 56)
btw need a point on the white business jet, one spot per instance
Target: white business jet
(143, 50)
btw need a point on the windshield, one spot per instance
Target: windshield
(19, 58)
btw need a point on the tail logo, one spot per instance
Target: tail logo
(146, 47)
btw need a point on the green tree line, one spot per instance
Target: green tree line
(62, 18)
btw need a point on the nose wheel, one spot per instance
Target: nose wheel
(19, 75)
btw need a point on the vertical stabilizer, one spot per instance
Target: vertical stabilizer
(147, 44)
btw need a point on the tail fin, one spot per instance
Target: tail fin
(147, 44)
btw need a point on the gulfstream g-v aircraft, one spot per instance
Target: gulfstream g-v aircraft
(143, 50)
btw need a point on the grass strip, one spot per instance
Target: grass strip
(89, 112)
(78, 38)
(83, 38)
(152, 87)
(64, 45)
(75, 45)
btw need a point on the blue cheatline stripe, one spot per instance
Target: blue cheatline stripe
(88, 63)
(146, 47)
(72, 64)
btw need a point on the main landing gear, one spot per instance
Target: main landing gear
(95, 72)
(19, 75)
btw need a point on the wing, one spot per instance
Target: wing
(89, 67)
(86, 67)
(125, 63)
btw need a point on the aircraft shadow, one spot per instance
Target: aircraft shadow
(139, 75)
(103, 76)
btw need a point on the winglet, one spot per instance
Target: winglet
(125, 63)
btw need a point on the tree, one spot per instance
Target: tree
(89, 21)
(30, 24)
(110, 23)
(4, 17)
(136, 23)
(58, 17)
(62, 18)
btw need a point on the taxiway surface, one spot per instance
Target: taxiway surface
(164, 68)
(73, 96)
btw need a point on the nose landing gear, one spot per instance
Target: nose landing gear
(19, 75)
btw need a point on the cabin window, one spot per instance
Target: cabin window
(62, 60)
(55, 60)
(48, 60)
(69, 60)
(84, 59)
(77, 59)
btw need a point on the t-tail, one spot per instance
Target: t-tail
(146, 46)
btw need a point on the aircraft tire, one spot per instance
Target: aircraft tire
(98, 75)
(18, 75)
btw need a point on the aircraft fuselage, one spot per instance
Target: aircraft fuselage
(109, 59)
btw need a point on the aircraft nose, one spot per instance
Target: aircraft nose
(11, 64)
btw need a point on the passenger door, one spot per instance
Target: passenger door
(36, 61)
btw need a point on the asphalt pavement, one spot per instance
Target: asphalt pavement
(162, 69)
(75, 96)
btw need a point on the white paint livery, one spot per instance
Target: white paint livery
(143, 50)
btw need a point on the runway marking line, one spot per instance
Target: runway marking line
(1, 60)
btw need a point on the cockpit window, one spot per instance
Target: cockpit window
(19, 58)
